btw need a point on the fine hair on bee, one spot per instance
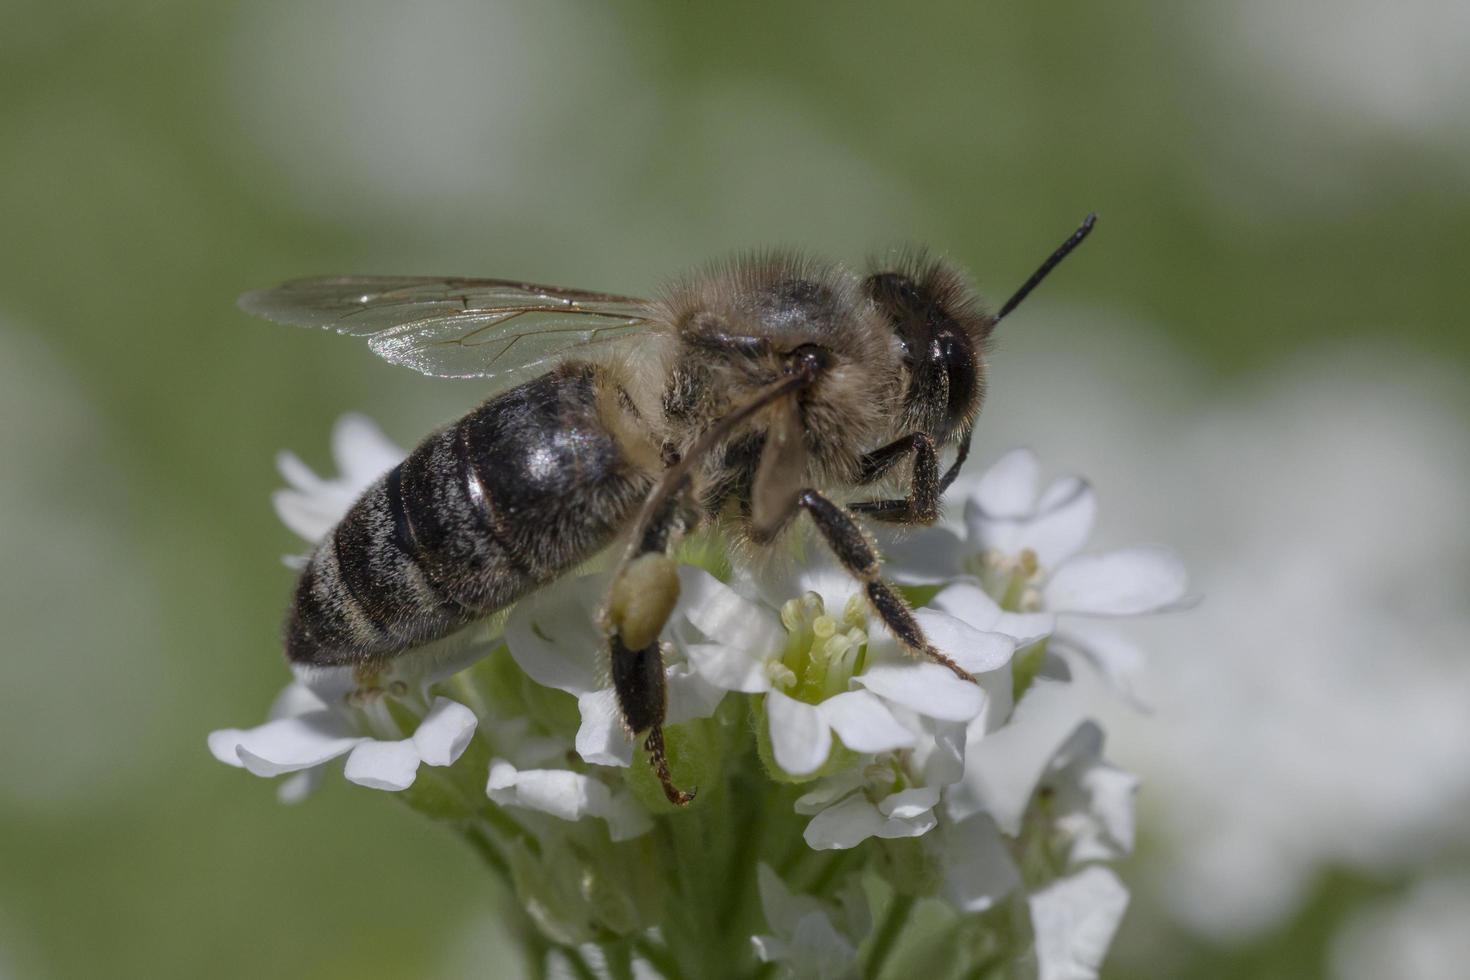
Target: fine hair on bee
(745, 396)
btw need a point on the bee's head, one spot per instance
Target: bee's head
(941, 332)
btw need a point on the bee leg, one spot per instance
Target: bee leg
(922, 504)
(638, 679)
(640, 602)
(646, 584)
(857, 554)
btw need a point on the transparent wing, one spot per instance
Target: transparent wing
(455, 328)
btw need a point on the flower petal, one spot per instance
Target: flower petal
(601, 739)
(1027, 628)
(299, 785)
(1117, 659)
(1063, 521)
(691, 696)
(927, 688)
(445, 732)
(854, 820)
(296, 698)
(311, 516)
(1092, 800)
(223, 745)
(910, 803)
(1075, 919)
(726, 617)
(298, 475)
(1002, 767)
(863, 723)
(976, 863)
(770, 949)
(552, 637)
(986, 533)
(1008, 488)
(933, 554)
(781, 906)
(559, 792)
(800, 738)
(818, 950)
(566, 795)
(1127, 582)
(361, 451)
(291, 744)
(967, 601)
(383, 765)
(828, 790)
(729, 668)
(975, 650)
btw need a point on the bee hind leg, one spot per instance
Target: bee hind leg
(640, 602)
(646, 584)
(638, 679)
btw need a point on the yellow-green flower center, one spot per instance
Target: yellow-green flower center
(822, 652)
(1013, 581)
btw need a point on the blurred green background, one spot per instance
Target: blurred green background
(1274, 181)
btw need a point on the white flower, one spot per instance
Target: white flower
(1037, 800)
(1022, 544)
(825, 672)
(804, 939)
(1011, 804)
(311, 505)
(1074, 919)
(554, 637)
(323, 715)
(893, 795)
(567, 795)
(304, 733)
(1311, 714)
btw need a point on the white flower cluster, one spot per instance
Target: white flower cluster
(857, 807)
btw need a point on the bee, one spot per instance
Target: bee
(744, 396)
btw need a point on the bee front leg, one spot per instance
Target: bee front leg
(858, 556)
(922, 503)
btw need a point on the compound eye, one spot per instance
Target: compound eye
(808, 359)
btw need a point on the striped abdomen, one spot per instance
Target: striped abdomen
(505, 500)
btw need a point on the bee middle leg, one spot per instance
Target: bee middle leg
(858, 556)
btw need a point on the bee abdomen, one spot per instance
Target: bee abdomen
(510, 497)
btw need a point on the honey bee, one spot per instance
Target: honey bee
(744, 396)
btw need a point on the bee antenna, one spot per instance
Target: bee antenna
(1063, 250)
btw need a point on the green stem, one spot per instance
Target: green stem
(893, 922)
(835, 865)
(482, 843)
(619, 960)
(536, 952)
